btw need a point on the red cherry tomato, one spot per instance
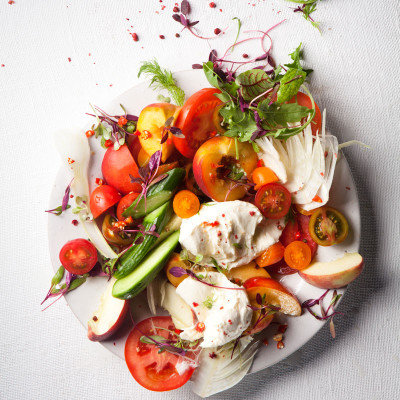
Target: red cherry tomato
(117, 167)
(196, 121)
(153, 370)
(124, 203)
(102, 198)
(273, 200)
(78, 256)
(303, 100)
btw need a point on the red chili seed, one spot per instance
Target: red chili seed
(245, 55)
(217, 31)
(162, 37)
(135, 37)
(212, 5)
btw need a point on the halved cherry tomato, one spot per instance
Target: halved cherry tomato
(328, 226)
(114, 235)
(78, 256)
(262, 176)
(273, 200)
(186, 204)
(271, 256)
(303, 100)
(297, 255)
(152, 369)
(124, 203)
(196, 121)
(117, 166)
(102, 198)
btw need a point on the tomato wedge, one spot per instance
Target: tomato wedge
(303, 100)
(78, 256)
(273, 200)
(124, 203)
(102, 198)
(196, 121)
(152, 369)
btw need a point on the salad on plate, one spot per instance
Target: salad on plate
(206, 205)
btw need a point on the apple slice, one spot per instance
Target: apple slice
(275, 294)
(108, 317)
(334, 274)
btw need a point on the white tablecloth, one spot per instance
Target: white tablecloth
(57, 56)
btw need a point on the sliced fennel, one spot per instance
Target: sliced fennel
(156, 293)
(73, 147)
(213, 375)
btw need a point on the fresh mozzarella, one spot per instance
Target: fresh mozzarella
(232, 232)
(224, 311)
(309, 162)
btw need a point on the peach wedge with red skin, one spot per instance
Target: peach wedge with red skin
(334, 274)
(108, 317)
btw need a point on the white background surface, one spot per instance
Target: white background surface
(356, 62)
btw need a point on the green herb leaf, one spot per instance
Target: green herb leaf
(58, 210)
(253, 83)
(211, 76)
(58, 276)
(163, 99)
(218, 268)
(238, 245)
(238, 32)
(198, 258)
(156, 338)
(162, 79)
(208, 302)
(184, 256)
(290, 84)
(76, 283)
(282, 114)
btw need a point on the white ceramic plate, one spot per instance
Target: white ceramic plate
(84, 300)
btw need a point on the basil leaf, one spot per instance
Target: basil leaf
(253, 83)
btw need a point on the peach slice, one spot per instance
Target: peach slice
(334, 274)
(108, 317)
(241, 274)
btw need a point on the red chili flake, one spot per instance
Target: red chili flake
(69, 59)
(225, 333)
(162, 37)
(280, 227)
(137, 133)
(71, 196)
(175, 9)
(213, 133)
(11, 2)
(322, 174)
(220, 9)
(89, 133)
(177, 331)
(260, 163)
(245, 55)
(146, 135)
(99, 181)
(280, 345)
(110, 84)
(223, 215)
(212, 355)
(212, 5)
(347, 188)
(200, 327)
(265, 341)
(135, 37)
(221, 308)
(3, 65)
(114, 344)
(282, 328)
(252, 213)
(236, 236)
(212, 224)
(223, 264)
(317, 199)
(217, 31)
(195, 304)
(75, 223)
(122, 121)
(177, 35)
(127, 19)
(326, 154)
(95, 318)
(219, 233)
(70, 160)
(108, 143)
(230, 321)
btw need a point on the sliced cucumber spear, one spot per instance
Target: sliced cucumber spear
(158, 194)
(139, 278)
(135, 254)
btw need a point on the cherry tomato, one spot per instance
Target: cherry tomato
(196, 121)
(124, 203)
(113, 234)
(78, 256)
(303, 100)
(328, 226)
(273, 200)
(117, 166)
(297, 255)
(102, 198)
(152, 369)
(186, 204)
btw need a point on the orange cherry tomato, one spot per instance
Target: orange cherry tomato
(271, 256)
(186, 204)
(297, 255)
(303, 100)
(263, 175)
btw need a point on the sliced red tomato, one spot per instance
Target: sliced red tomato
(78, 256)
(152, 369)
(117, 167)
(102, 198)
(196, 121)
(124, 203)
(303, 100)
(273, 200)
(303, 222)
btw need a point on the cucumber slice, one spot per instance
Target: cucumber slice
(139, 278)
(157, 195)
(135, 254)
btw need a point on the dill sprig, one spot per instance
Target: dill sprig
(162, 79)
